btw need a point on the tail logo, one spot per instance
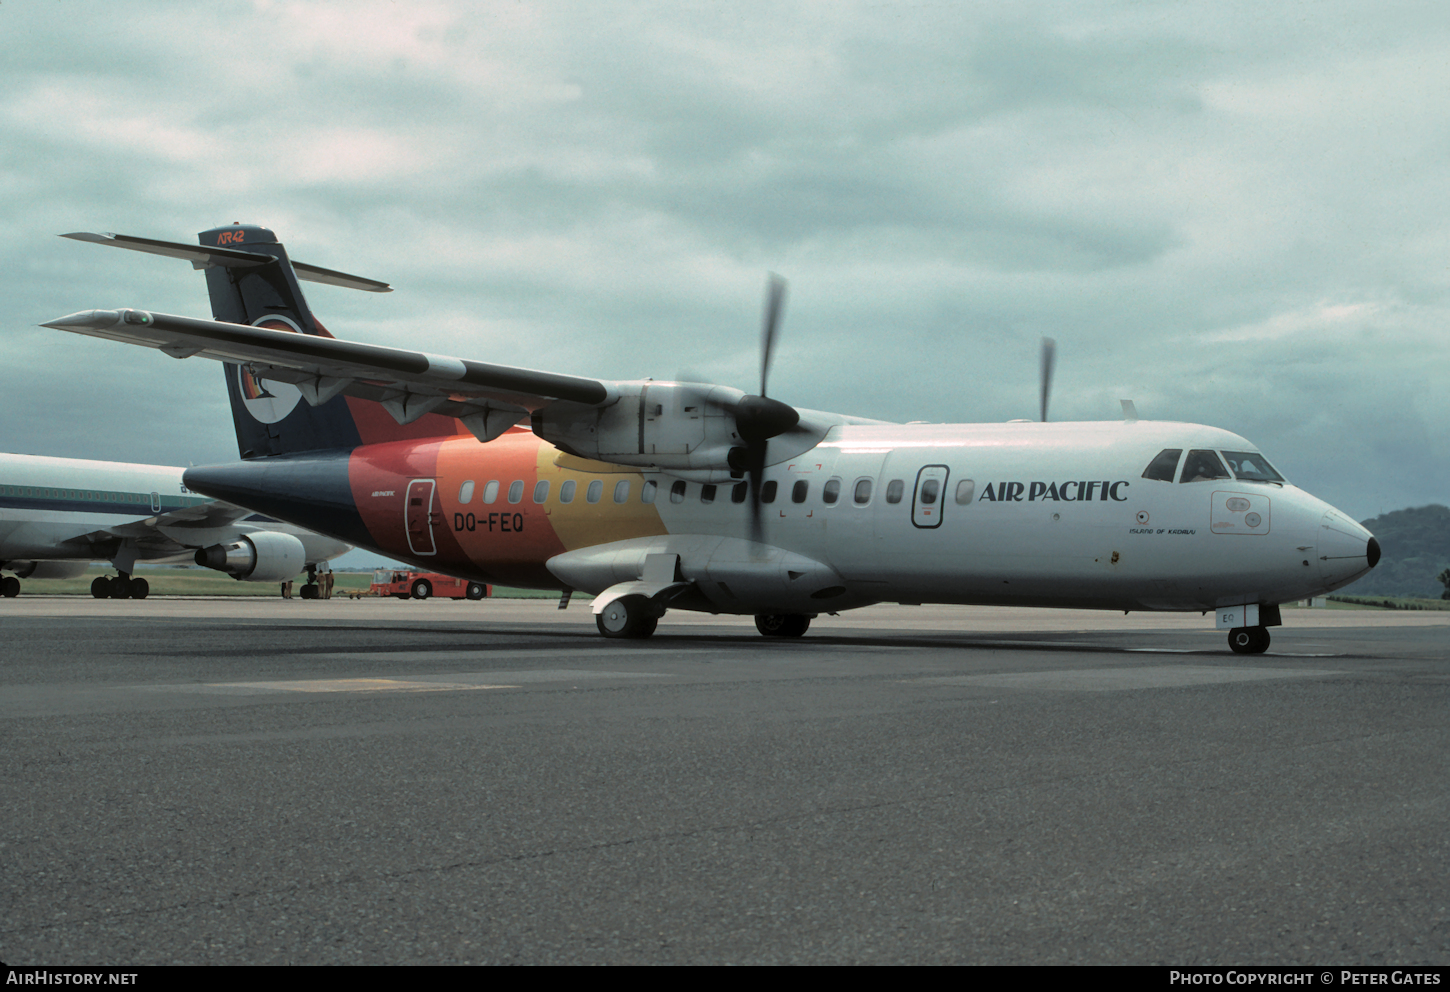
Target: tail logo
(267, 400)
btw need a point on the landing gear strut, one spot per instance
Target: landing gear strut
(1249, 640)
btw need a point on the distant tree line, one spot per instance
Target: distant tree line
(1415, 555)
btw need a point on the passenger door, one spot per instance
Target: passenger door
(419, 516)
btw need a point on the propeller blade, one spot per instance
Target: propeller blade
(1049, 359)
(774, 300)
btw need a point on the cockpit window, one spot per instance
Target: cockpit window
(1162, 466)
(1250, 466)
(1202, 465)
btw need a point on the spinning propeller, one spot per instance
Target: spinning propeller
(1049, 360)
(759, 418)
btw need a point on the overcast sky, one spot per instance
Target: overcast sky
(1232, 214)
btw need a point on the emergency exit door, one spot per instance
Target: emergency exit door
(420, 516)
(926, 502)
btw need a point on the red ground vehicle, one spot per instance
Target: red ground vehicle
(425, 585)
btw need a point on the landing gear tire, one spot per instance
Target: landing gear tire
(101, 587)
(120, 588)
(782, 624)
(421, 589)
(140, 588)
(627, 616)
(10, 587)
(1249, 640)
(476, 590)
(311, 591)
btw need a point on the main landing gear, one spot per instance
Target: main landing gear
(628, 616)
(121, 587)
(1249, 640)
(782, 624)
(9, 587)
(636, 617)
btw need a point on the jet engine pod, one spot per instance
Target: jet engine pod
(265, 556)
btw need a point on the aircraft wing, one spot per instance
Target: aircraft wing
(488, 398)
(157, 536)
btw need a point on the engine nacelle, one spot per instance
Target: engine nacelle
(48, 569)
(265, 556)
(664, 425)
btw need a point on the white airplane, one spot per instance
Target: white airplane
(653, 495)
(57, 515)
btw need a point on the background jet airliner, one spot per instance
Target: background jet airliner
(654, 495)
(57, 515)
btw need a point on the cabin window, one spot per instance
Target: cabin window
(647, 492)
(465, 491)
(966, 489)
(677, 491)
(516, 491)
(707, 494)
(1202, 466)
(621, 490)
(541, 490)
(1160, 469)
(566, 490)
(894, 490)
(490, 491)
(767, 492)
(595, 491)
(831, 491)
(863, 492)
(739, 491)
(1250, 466)
(799, 491)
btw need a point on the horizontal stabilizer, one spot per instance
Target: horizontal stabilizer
(202, 257)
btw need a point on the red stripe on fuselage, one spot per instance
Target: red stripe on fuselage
(509, 551)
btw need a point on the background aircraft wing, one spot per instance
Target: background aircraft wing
(487, 398)
(156, 535)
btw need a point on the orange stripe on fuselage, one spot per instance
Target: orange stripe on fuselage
(502, 542)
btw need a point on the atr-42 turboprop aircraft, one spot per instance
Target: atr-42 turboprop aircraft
(653, 495)
(57, 515)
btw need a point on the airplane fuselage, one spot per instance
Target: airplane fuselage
(1019, 513)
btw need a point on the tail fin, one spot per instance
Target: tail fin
(271, 417)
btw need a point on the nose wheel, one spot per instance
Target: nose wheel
(1249, 640)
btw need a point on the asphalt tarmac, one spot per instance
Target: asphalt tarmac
(236, 782)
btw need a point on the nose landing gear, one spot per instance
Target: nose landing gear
(1249, 640)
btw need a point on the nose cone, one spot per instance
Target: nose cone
(1346, 550)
